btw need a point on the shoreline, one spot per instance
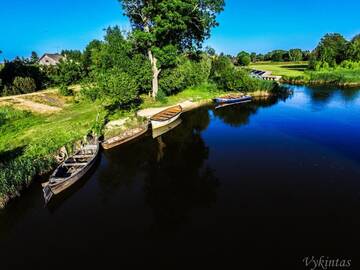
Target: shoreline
(188, 105)
(348, 85)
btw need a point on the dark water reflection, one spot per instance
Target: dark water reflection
(255, 185)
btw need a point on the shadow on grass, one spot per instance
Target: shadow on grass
(11, 154)
(296, 67)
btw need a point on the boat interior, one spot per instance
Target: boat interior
(76, 162)
(167, 114)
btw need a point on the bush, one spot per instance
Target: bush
(186, 74)
(67, 73)
(65, 90)
(348, 64)
(116, 87)
(161, 96)
(243, 59)
(23, 85)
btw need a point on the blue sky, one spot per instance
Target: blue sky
(259, 25)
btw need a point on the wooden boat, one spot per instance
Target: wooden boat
(71, 170)
(222, 105)
(162, 130)
(125, 137)
(232, 99)
(166, 117)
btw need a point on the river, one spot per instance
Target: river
(260, 184)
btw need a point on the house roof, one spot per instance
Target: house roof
(55, 56)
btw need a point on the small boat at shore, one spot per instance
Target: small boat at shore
(166, 117)
(71, 170)
(232, 99)
(222, 105)
(127, 136)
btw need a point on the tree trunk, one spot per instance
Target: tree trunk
(153, 61)
(156, 72)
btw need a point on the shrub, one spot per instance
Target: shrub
(161, 96)
(22, 85)
(116, 87)
(243, 59)
(65, 90)
(67, 73)
(186, 74)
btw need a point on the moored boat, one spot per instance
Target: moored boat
(233, 99)
(166, 117)
(127, 136)
(71, 170)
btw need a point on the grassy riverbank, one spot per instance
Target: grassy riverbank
(337, 77)
(30, 140)
(297, 73)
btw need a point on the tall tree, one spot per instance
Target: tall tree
(243, 58)
(165, 27)
(295, 55)
(353, 49)
(331, 49)
(34, 57)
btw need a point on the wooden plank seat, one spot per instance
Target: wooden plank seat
(82, 156)
(75, 164)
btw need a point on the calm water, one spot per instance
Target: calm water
(262, 184)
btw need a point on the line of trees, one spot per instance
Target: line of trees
(334, 50)
(161, 55)
(293, 55)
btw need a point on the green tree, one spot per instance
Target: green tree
(243, 58)
(353, 49)
(87, 56)
(117, 52)
(67, 72)
(279, 56)
(116, 87)
(253, 57)
(34, 58)
(72, 55)
(170, 25)
(331, 50)
(23, 85)
(295, 55)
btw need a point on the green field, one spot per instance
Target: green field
(289, 69)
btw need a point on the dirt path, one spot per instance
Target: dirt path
(34, 106)
(29, 94)
(23, 102)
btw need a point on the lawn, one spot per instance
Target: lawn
(289, 69)
(197, 93)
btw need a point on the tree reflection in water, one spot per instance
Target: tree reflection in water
(239, 114)
(180, 181)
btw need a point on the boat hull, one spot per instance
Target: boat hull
(118, 140)
(54, 186)
(232, 100)
(159, 124)
(162, 130)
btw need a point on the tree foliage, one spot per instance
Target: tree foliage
(164, 26)
(295, 55)
(243, 59)
(330, 50)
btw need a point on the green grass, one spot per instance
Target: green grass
(289, 69)
(197, 93)
(46, 133)
(340, 77)
(28, 142)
